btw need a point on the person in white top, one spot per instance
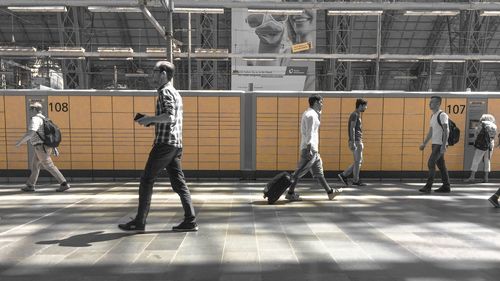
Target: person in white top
(485, 132)
(310, 159)
(41, 155)
(438, 132)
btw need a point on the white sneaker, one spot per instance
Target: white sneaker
(336, 191)
(293, 197)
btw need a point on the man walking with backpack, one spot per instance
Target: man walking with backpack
(438, 132)
(42, 152)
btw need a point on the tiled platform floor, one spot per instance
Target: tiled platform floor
(385, 231)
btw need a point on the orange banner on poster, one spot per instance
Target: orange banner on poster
(296, 48)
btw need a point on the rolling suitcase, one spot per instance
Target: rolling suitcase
(277, 186)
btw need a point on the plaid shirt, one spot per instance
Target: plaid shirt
(169, 101)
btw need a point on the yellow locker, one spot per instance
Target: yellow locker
(190, 133)
(209, 128)
(267, 133)
(102, 133)
(392, 134)
(229, 141)
(3, 140)
(81, 132)
(494, 109)
(329, 134)
(288, 132)
(413, 134)
(15, 127)
(123, 133)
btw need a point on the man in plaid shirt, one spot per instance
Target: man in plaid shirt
(166, 152)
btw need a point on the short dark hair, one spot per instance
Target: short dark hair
(440, 99)
(360, 102)
(166, 66)
(314, 98)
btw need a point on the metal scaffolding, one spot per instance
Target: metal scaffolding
(207, 37)
(70, 35)
(339, 41)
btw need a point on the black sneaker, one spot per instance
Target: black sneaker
(426, 189)
(185, 227)
(443, 189)
(343, 179)
(132, 226)
(494, 200)
(63, 187)
(359, 183)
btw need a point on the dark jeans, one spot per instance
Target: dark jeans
(437, 158)
(164, 156)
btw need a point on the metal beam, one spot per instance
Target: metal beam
(154, 22)
(487, 6)
(350, 56)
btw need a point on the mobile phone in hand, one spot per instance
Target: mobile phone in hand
(138, 116)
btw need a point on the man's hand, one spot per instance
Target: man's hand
(443, 148)
(422, 146)
(145, 121)
(309, 153)
(352, 145)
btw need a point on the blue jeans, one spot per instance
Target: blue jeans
(164, 156)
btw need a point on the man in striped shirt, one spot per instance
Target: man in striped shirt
(166, 152)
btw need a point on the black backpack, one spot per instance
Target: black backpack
(454, 135)
(52, 133)
(483, 140)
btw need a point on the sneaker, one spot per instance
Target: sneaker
(494, 200)
(443, 189)
(28, 188)
(132, 226)
(426, 189)
(334, 192)
(185, 227)
(470, 180)
(63, 187)
(359, 183)
(343, 179)
(293, 197)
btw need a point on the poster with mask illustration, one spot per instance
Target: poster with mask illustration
(265, 33)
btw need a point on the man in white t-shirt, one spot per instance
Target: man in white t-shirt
(438, 133)
(41, 154)
(310, 159)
